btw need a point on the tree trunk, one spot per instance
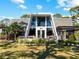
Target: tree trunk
(15, 35)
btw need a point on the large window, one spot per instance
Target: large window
(32, 32)
(48, 21)
(49, 32)
(33, 21)
(41, 21)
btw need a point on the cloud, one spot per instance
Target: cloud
(67, 9)
(67, 3)
(3, 17)
(39, 7)
(23, 6)
(18, 1)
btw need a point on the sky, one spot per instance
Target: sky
(16, 8)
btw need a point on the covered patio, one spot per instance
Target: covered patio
(65, 31)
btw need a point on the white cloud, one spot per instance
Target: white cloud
(67, 9)
(23, 6)
(3, 17)
(39, 7)
(67, 3)
(18, 1)
(61, 2)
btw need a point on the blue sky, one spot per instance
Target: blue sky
(16, 8)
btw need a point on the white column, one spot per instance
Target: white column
(40, 33)
(45, 27)
(45, 21)
(36, 21)
(36, 29)
(36, 33)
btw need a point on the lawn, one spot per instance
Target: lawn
(23, 51)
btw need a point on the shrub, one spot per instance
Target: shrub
(60, 42)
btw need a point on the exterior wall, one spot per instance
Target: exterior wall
(42, 28)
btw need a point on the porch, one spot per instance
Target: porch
(65, 32)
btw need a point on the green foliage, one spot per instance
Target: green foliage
(25, 16)
(57, 15)
(38, 41)
(71, 38)
(74, 13)
(34, 41)
(75, 9)
(13, 29)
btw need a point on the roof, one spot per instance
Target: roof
(40, 14)
(20, 20)
(63, 22)
(68, 28)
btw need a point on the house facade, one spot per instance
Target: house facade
(43, 26)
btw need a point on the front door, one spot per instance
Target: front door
(41, 33)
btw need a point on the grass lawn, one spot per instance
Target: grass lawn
(15, 51)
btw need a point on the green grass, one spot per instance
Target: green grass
(15, 51)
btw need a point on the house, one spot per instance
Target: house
(45, 26)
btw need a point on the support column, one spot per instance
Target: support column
(36, 28)
(45, 27)
(64, 35)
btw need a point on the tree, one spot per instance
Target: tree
(74, 11)
(14, 29)
(25, 16)
(57, 15)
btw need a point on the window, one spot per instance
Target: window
(49, 32)
(32, 32)
(33, 21)
(48, 21)
(41, 21)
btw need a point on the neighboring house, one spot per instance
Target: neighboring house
(44, 26)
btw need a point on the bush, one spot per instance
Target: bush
(52, 42)
(41, 41)
(38, 41)
(60, 42)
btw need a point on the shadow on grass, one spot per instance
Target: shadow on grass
(75, 49)
(16, 54)
(48, 52)
(7, 44)
(59, 57)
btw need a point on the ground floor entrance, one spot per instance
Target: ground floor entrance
(41, 32)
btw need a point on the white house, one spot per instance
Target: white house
(43, 25)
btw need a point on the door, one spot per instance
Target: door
(41, 33)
